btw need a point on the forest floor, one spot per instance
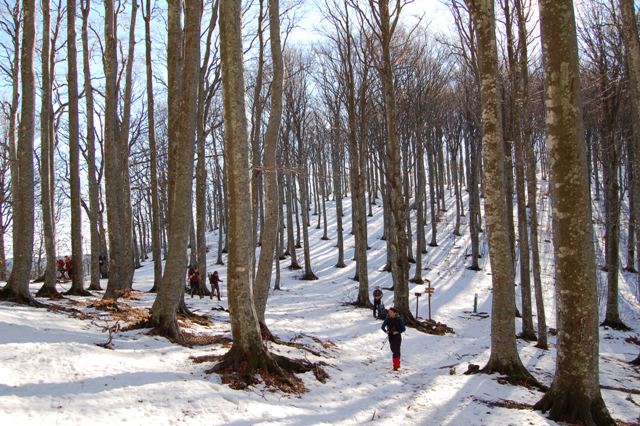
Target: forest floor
(53, 371)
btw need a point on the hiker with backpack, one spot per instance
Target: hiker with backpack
(194, 282)
(377, 300)
(394, 326)
(214, 279)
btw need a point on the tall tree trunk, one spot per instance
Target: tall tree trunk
(515, 101)
(116, 170)
(400, 263)
(531, 177)
(94, 190)
(48, 288)
(183, 53)
(270, 171)
(77, 284)
(337, 186)
(504, 356)
(574, 395)
(632, 47)
(420, 195)
(17, 287)
(248, 352)
(156, 237)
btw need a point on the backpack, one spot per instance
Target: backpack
(382, 311)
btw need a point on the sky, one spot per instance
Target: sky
(431, 11)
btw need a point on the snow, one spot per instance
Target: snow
(52, 371)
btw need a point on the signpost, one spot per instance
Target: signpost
(430, 291)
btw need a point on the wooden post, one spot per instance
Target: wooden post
(417, 298)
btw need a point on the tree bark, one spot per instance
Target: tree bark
(183, 53)
(116, 172)
(156, 238)
(94, 190)
(47, 176)
(504, 356)
(17, 287)
(574, 395)
(270, 170)
(77, 283)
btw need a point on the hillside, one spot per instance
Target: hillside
(54, 373)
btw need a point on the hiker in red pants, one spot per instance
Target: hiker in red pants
(393, 325)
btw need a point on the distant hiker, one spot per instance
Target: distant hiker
(194, 282)
(214, 279)
(377, 299)
(68, 267)
(102, 260)
(60, 263)
(393, 325)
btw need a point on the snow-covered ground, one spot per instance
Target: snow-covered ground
(52, 371)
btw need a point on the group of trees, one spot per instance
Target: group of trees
(380, 111)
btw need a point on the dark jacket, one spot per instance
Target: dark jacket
(377, 294)
(393, 326)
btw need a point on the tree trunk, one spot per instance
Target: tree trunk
(156, 237)
(17, 287)
(77, 285)
(531, 177)
(247, 348)
(337, 186)
(94, 191)
(116, 169)
(47, 176)
(270, 171)
(515, 101)
(183, 74)
(574, 395)
(400, 263)
(504, 356)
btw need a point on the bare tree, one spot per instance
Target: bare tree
(153, 158)
(183, 63)
(17, 287)
(504, 356)
(269, 234)
(574, 395)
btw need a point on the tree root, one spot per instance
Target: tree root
(574, 407)
(239, 370)
(616, 325)
(529, 337)
(78, 292)
(309, 276)
(8, 295)
(49, 292)
(513, 373)
(361, 304)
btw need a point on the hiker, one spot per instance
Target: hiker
(393, 325)
(194, 281)
(214, 279)
(60, 263)
(68, 267)
(377, 299)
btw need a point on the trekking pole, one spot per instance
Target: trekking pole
(384, 342)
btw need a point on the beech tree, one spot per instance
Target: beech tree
(574, 395)
(17, 287)
(183, 62)
(504, 356)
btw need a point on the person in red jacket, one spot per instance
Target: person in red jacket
(68, 267)
(214, 279)
(194, 282)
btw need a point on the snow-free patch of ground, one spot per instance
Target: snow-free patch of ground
(53, 373)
